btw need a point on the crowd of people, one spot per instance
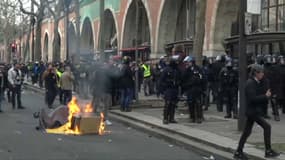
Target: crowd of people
(175, 77)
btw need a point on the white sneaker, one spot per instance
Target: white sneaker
(108, 123)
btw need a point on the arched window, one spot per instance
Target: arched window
(273, 15)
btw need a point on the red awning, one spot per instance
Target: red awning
(133, 49)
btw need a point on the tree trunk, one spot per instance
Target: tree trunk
(6, 52)
(25, 52)
(200, 30)
(38, 44)
(55, 43)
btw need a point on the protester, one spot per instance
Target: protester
(66, 83)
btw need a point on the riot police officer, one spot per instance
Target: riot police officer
(272, 74)
(217, 67)
(281, 62)
(229, 89)
(192, 84)
(169, 86)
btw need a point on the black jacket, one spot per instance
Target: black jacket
(51, 81)
(255, 97)
(126, 80)
(169, 83)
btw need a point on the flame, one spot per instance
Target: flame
(102, 124)
(88, 108)
(74, 108)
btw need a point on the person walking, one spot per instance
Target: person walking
(15, 80)
(66, 83)
(256, 97)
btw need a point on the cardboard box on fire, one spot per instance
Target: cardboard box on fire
(87, 123)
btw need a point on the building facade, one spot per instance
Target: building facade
(161, 24)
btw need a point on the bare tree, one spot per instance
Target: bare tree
(39, 15)
(8, 26)
(200, 30)
(56, 11)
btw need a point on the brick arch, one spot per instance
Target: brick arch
(109, 24)
(148, 15)
(87, 37)
(226, 12)
(169, 28)
(45, 48)
(58, 56)
(72, 37)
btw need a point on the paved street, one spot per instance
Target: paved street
(20, 141)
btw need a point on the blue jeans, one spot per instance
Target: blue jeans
(126, 96)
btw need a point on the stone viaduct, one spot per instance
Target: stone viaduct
(160, 22)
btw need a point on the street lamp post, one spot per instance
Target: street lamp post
(242, 64)
(77, 22)
(67, 4)
(137, 51)
(33, 21)
(102, 27)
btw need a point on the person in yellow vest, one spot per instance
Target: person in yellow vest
(147, 78)
(59, 71)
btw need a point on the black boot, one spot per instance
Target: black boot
(240, 156)
(228, 116)
(172, 115)
(165, 117)
(271, 154)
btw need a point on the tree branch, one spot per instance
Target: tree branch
(25, 11)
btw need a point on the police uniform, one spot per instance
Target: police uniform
(229, 89)
(169, 84)
(193, 84)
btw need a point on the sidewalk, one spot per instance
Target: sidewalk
(215, 131)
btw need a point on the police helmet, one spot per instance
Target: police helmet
(189, 59)
(268, 59)
(281, 60)
(228, 58)
(274, 59)
(229, 64)
(218, 58)
(260, 59)
(126, 60)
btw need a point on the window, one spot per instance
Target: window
(272, 2)
(281, 2)
(273, 15)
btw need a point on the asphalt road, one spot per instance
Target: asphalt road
(20, 141)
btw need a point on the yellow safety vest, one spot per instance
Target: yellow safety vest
(147, 72)
(59, 74)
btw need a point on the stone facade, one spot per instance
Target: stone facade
(161, 22)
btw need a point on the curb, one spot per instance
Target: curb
(194, 142)
(253, 153)
(188, 144)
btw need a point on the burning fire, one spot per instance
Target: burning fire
(102, 124)
(88, 108)
(74, 109)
